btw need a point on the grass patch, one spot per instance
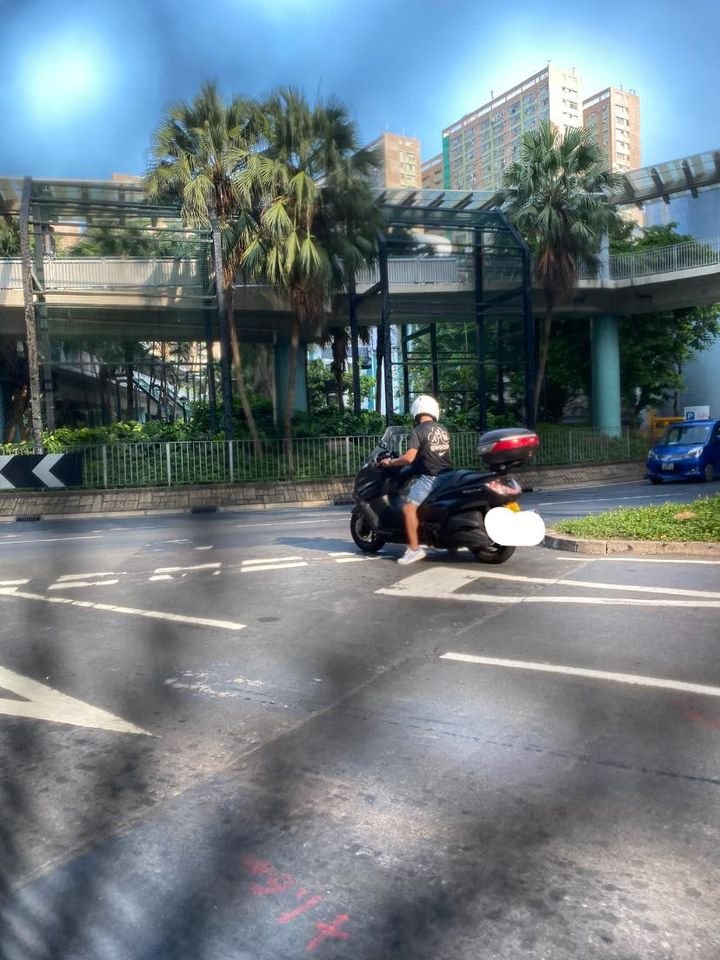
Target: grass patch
(670, 522)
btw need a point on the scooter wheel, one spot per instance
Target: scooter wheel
(367, 539)
(495, 553)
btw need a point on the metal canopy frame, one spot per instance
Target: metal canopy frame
(495, 301)
(662, 180)
(485, 237)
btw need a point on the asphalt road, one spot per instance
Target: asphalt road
(232, 736)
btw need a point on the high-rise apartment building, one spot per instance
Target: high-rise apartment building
(478, 147)
(399, 161)
(613, 116)
(432, 173)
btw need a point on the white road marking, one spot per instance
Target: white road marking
(12, 592)
(73, 584)
(160, 576)
(11, 543)
(574, 559)
(198, 566)
(291, 523)
(443, 584)
(203, 548)
(630, 678)
(13, 583)
(247, 563)
(349, 559)
(647, 496)
(550, 581)
(271, 563)
(44, 703)
(84, 576)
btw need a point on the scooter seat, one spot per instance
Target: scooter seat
(455, 480)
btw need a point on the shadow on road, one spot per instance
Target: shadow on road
(371, 827)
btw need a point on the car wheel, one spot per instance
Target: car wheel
(709, 473)
(367, 539)
(655, 480)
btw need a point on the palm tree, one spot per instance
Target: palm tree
(317, 219)
(197, 153)
(556, 194)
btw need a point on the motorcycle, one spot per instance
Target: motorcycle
(460, 506)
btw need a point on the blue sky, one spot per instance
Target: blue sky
(83, 84)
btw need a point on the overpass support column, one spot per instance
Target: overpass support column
(606, 375)
(282, 364)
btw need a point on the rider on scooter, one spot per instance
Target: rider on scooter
(428, 451)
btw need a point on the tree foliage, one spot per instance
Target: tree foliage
(556, 195)
(316, 217)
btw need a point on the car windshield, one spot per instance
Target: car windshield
(692, 433)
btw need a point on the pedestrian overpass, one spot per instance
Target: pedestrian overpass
(173, 298)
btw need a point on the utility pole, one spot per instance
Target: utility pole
(30, 328)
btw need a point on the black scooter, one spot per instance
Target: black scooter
(453, 516)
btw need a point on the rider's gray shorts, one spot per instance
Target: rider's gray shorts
(419, 489)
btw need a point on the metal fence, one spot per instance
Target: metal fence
(161, 464)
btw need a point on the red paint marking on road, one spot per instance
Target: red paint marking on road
(298, 911)
(275, 883)
(691, 713)
(329, 931)
(698, 717)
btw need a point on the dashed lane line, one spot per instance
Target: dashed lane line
(77, 584)
(85, 576)
(197, 566)
(629, 678)
(12, 543)
(14, 593)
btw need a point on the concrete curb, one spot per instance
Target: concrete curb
(557, 541)
(77, 503)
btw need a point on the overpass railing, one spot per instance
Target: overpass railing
(670, 259)
(110, 273)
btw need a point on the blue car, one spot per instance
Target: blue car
(689, 450)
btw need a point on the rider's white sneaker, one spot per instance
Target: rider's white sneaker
(412, 556)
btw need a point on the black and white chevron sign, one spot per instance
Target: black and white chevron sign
(56, 470)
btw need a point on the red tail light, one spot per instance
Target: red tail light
(515, 443)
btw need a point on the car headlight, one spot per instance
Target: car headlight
(695, 452)
(651, 455)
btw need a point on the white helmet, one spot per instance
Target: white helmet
(425, 404)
